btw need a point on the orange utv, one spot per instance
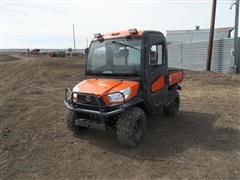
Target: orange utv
(127, 77)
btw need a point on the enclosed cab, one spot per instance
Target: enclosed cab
(127, 76)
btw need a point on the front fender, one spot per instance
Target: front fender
(137, 101)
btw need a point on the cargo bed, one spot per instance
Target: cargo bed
(175, 75)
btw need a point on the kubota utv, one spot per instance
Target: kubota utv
(126, 76)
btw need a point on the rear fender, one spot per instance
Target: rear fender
(175, 87)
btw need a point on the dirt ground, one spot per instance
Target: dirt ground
(203, 141)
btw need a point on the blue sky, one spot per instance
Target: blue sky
(48, 23)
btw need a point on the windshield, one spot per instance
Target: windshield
(114, 57)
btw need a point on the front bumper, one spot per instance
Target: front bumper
(88, 111)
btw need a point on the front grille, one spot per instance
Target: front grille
(87, 99)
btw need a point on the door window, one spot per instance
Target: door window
(156, 55)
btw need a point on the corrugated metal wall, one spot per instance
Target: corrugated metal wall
(194, 35)
(193, 56)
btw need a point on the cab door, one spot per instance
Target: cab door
(156, 70)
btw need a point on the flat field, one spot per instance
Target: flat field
(202, 141)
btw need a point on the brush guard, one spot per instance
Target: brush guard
(101, 113)
(68, 101)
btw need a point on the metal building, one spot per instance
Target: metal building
(178, 36)
(193, 55)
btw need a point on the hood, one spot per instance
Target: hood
(103, 86)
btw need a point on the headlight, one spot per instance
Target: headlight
(75, 97)
(118, 97)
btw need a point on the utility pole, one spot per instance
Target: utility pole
(236, 46)
(74, 43)
(211, 35)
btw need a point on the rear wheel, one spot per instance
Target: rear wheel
(70, 121)
(131, 127)
(173, 108)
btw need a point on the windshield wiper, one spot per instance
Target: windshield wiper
(126, 45)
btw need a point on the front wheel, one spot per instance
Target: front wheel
(131, 127)
(173, 108)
